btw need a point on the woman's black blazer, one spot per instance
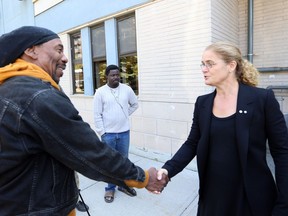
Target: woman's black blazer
(258, 120)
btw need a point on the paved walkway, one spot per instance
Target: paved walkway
(179, 198)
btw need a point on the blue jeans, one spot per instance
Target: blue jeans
(120, 142)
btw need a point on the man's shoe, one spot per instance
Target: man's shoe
(128, 191)
(80, 206)
(109, 196)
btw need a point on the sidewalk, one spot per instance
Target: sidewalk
(179, 198)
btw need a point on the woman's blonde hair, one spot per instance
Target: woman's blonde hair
(245, 72)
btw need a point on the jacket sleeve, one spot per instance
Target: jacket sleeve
(70, 140)
(133, 101)
(98, 113)
(278, 144)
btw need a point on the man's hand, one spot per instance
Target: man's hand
(157, 181)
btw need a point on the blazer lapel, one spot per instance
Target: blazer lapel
(244, 113)
(204, 124)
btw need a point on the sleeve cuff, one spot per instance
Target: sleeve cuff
(138, 184)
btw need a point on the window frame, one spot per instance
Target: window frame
(97, 81)
(75, 60)
(127, 54)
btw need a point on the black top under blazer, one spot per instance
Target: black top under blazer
(258, 119)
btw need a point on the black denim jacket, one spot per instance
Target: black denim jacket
(42, 141)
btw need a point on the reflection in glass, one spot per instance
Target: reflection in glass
(128, 51)
(77, 65)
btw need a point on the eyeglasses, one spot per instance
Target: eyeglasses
(208, 65)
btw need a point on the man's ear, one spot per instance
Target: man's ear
(31, 52)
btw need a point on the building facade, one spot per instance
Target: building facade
(158, 46)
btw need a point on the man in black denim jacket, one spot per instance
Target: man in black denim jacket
(42, 137)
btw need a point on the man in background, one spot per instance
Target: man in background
(113, 104)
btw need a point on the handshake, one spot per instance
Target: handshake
(157, 180)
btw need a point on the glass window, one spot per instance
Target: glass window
(127, 35)
(126, 30)
(77, 65)
(99, 55)
(99, 73)
(129, 71)
(98, 42)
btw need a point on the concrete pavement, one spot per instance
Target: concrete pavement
(179, 198)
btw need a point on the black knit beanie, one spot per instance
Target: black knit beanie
(14, 43)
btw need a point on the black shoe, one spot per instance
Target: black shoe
(80, 206)
(128, 191)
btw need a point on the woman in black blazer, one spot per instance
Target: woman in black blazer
(230, 130)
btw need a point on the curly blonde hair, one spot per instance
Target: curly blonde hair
(245, 72)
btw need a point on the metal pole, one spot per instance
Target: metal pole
(84, 203)
(250, 31)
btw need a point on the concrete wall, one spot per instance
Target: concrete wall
(224, 20)
(15, 13)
